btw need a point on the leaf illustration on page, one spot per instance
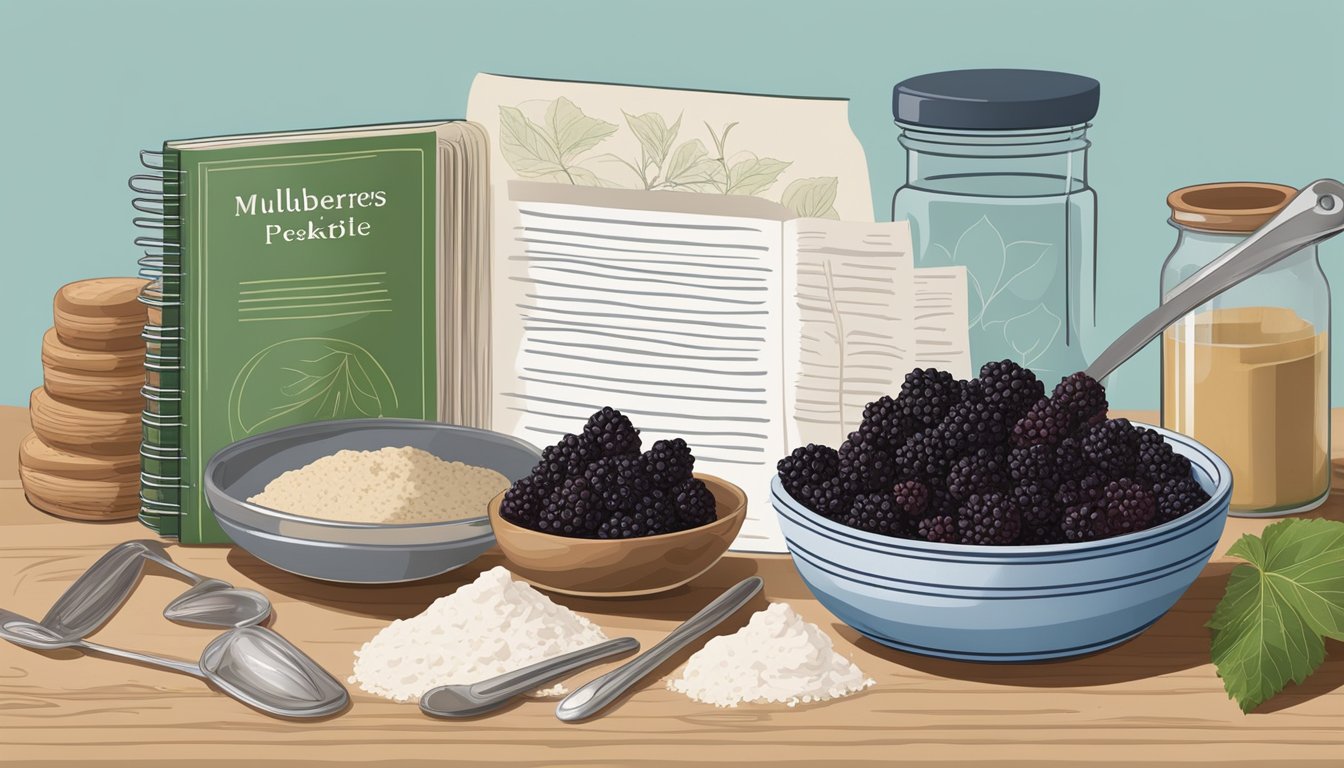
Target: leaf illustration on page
(574, 132)
(691, 168)
(1030, 334)
(721, 154)
(580, 176)
(812, 197)
(720, 139)
(654, 134)
(525, 146)
(753, 175)
(551, 151)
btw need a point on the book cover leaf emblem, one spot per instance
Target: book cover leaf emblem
(308, 379)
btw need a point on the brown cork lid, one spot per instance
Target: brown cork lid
(1229, 206)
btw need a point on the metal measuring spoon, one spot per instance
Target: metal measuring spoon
(104, 587)
(215, 603)
(251, 664)
(489, 695)
(98, 592)
(1314, 215)
(210, 602)
(595, 696)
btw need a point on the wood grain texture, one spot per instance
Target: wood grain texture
(99, 333)
(104, 429)
(58, 354)
(1154, 700)
(35, 454)
(102, 297)
(96, 389)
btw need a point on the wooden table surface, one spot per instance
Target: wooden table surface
(1154, 699)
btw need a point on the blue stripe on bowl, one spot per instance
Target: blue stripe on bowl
(979, 593)
(1042, 655)
(803, 517)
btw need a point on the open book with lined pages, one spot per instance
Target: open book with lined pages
(723, 321)
(705, 262)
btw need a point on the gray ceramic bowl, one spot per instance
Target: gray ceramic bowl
(358, 553)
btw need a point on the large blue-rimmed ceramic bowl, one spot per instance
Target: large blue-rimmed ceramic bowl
(1007, 604)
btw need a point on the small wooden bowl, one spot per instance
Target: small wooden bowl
(622, 567)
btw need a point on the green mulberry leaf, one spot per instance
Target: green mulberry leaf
(1267, 629)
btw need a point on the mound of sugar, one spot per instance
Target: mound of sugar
(486, 628)
(776, 657)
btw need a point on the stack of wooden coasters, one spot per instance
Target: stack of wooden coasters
(83, 458)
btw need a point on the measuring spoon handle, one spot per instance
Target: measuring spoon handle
(175, 665)
(1315, 214)
(97, 594)
(534, 676)
(594, 696)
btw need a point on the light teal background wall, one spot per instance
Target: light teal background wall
(1191, 92)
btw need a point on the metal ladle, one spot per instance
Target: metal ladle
(251, 664)
(1315, 214)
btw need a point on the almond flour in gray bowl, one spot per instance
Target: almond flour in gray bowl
(397, 486)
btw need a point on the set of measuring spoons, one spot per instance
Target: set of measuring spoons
(264, 670)
(248, 662)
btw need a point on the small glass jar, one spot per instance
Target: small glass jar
(996, 182)
(1248, 374)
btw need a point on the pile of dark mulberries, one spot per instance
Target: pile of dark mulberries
(994, 461)
(597, 485)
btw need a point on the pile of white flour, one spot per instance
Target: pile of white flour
(486, 628)
(777, 657)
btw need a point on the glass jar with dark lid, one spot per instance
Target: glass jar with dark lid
(996, 181)
(1248, 374)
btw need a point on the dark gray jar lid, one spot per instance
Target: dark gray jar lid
(996, 99)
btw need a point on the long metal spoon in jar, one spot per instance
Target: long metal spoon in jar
(251, 664)
(1315, 214)
(595, 696)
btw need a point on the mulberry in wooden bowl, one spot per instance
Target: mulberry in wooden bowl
(622, 567)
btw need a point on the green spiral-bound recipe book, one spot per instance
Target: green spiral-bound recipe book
(314, 286)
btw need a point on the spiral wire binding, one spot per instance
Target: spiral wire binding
(158, 200)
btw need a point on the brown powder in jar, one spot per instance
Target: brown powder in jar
(1252, 384)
